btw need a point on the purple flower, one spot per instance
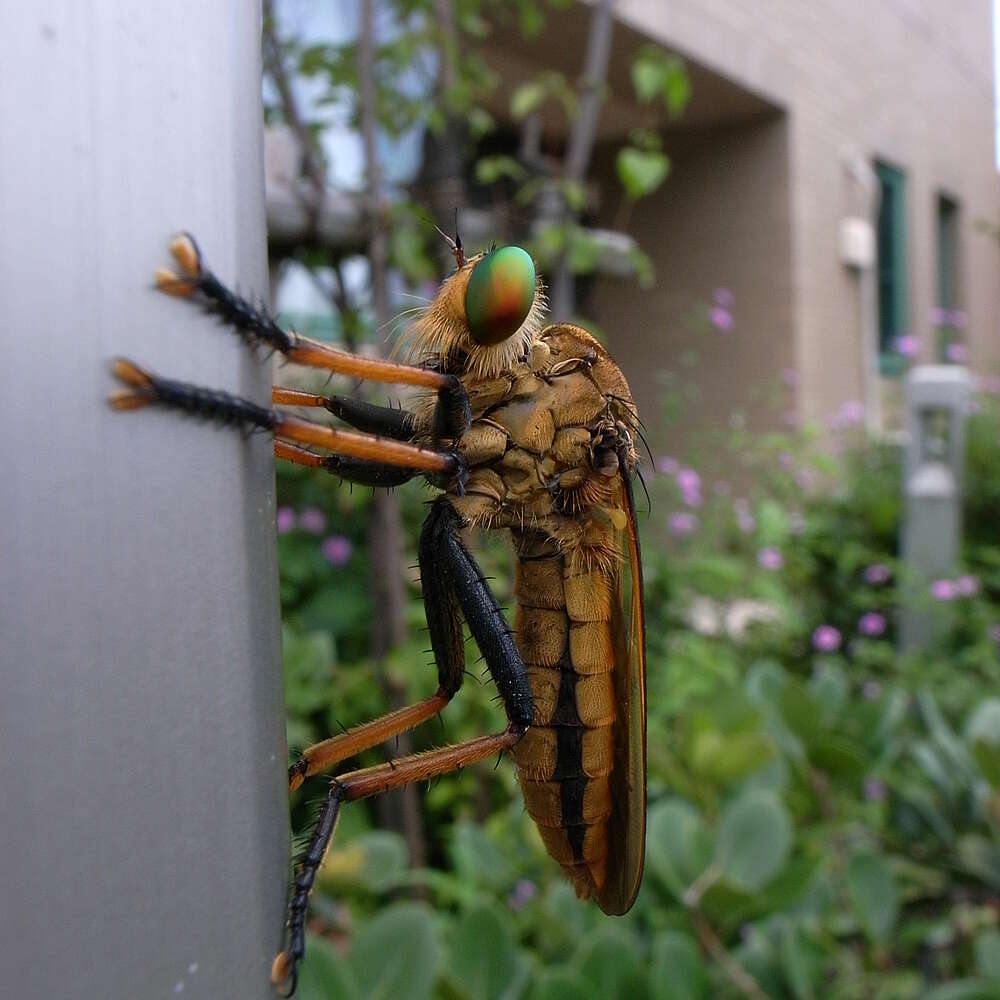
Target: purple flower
(336, 549)
(957, 353)
(958, 319)
(967, 586)
(721, 319)
(313, 521)
(826, 639)
(908, 346)
(286, 520)
(874, 790)
(994, 632)
(667, 465)
(689, 483)
(744, 519)
(939, 316)
(850, 413)
(682, 523)
(790, 377)
(522, 894)
(871, 623)
(723, 297)
(877, 574)
(770, 558)
(804, 478)
(944, 590)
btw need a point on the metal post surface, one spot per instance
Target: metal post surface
(931, 537)
(141, 720)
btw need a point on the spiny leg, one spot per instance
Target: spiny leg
(146, 388)
(382, 420)
(363, 784)
(451, 581)
(452, 414)
(378, 475)
(440, 553)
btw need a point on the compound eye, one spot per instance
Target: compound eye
(499, 295)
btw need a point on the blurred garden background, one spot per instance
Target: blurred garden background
(769, 216)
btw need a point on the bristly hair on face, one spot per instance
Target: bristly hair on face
(443, 331)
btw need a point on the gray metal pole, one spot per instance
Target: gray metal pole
(143, 845)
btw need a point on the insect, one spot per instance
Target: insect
(526, 429)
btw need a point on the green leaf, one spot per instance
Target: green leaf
(800, 961)
(983, 736)
(678, 846)
(964, 989)
(323, 973)
(987, 951)
(386, 858)
(841, 758)
(871, 887)
(755, 839)
(477, 859)
(800, 710)
(658, 74)
(677, 970)
(641, 171)
(396, 954)
(490, 169)
(724, 758)
(484, 962)
(981, 857)
(609, 961)
(526, 99)
(561, 984)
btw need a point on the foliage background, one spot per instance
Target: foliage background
(824, 812)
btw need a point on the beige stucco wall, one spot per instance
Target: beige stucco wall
(722, 219)
(908, 81)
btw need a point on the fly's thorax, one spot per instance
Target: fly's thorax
(544, 443)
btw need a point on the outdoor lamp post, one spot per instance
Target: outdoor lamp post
(936, 399)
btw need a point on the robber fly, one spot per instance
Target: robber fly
(525, 428)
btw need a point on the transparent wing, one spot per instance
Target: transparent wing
(627, 827)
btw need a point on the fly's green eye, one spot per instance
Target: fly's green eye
(499, 295)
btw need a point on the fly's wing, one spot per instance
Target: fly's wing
(627, 825)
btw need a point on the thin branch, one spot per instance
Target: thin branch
(737, 975)
(312, 160)
(581, 139)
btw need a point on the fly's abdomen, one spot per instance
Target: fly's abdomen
(563, 630)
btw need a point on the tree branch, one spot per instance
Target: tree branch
(581, 140)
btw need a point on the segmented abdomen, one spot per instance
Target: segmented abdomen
(563, 631)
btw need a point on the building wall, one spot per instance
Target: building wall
(907, 81)
(721, 220)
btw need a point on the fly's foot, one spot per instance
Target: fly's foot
(284, 973)
(185, 251)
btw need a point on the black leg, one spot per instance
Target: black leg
(453, 586)
(256, 326)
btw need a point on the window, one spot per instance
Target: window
(947, 276)
(893, 315)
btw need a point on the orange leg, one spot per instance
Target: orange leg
(254, 324)
(362, 784)
(324, 755)
(145, 388)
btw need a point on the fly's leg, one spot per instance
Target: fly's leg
(256, 326)
(145, 388)
(453, 587)
(382, 420)
(444, 621)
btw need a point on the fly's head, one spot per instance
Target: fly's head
(485, 316)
